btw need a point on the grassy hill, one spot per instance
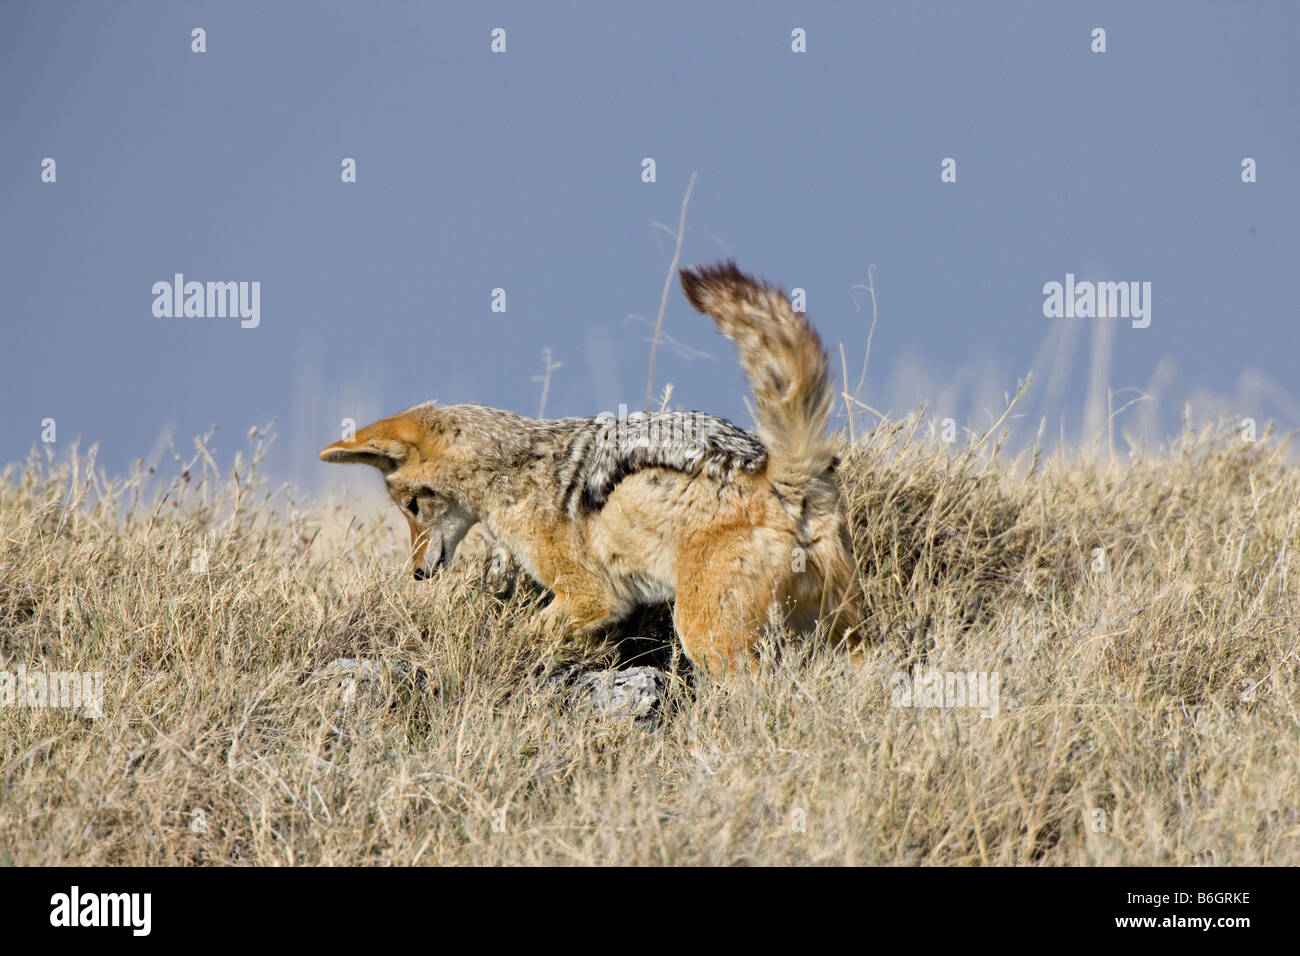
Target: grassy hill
(1137, 626)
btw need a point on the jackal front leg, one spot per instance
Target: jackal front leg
(575, 616)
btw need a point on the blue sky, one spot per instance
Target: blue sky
(522, 171)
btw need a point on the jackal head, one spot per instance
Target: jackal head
(415, 459)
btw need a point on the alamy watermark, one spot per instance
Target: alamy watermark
(76, 908)
(664, 430)
(1098, 300)
(930, 687)
(68, 690)
(211, 300)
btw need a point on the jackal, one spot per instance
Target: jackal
(738, 530)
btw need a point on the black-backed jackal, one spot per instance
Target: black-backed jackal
(733, 528)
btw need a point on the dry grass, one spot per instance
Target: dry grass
(1148, 711)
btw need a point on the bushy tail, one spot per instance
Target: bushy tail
(784, 363)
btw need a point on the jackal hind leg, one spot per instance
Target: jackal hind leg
(724, 593)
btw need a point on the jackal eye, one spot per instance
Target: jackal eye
(413, 506)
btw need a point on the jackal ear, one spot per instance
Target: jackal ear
(384, 454)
